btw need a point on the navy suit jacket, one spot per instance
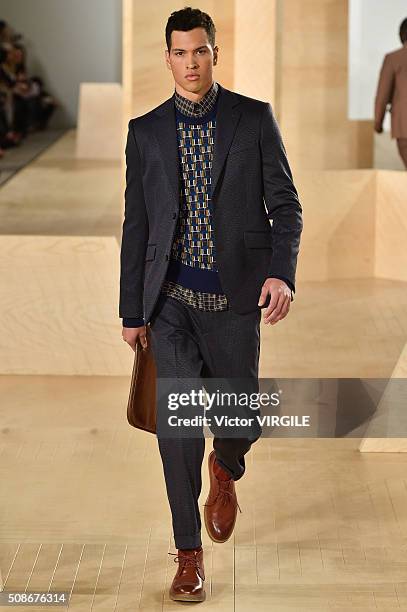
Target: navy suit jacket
(252, 184)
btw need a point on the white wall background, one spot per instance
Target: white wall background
(373, 32)
(69, 42)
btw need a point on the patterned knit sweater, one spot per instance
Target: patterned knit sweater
(192, 275)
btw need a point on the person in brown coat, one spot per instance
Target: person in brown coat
(392, 89)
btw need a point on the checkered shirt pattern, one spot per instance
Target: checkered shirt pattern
(197, 109)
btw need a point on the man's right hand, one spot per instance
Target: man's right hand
(132, 335)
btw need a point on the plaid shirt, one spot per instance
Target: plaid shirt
(197, 109)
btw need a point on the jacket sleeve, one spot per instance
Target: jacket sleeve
(385, 89)
(281, 199)
(134, 234)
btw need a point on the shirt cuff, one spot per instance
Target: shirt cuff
(133, 322)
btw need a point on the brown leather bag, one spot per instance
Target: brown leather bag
(141, 406)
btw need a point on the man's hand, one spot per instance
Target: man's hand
(280, 299)
(133, 334)
(378, 128)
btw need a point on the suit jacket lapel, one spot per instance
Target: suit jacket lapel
(165, 130)
(227, 118)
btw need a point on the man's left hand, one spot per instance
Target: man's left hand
(280, 299)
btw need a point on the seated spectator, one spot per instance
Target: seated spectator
(25, 105)
(6, 33)
(8, 137)
(45, 106)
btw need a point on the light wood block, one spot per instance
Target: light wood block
(313, 88)
(250, 51)
(388, 445)
(354, 224)
(100, 121)
(61, 317)
(391, 225)
(338, 238)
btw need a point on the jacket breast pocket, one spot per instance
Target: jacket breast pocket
(150, 252)
(258, 239)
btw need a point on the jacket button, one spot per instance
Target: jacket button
(166, 257)
(174, 216)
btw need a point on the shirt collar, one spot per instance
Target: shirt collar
(197, 109)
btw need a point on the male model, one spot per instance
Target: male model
(206, 173)
(392, 89)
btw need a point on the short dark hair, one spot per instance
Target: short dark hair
(403, 30)
(187, 19)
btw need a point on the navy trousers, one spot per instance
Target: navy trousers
(191, 344)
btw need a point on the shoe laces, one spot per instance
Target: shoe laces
(225, 495)
(185, 559)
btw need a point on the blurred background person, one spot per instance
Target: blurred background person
(25, 105)
(392, 89)
(6, 33)
(44, 105)
(8, 137)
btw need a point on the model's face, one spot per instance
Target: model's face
(191, 53)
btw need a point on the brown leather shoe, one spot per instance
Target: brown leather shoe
(221, 505)
(188, 583)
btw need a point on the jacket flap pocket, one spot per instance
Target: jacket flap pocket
(150, 252)
(258, 239)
